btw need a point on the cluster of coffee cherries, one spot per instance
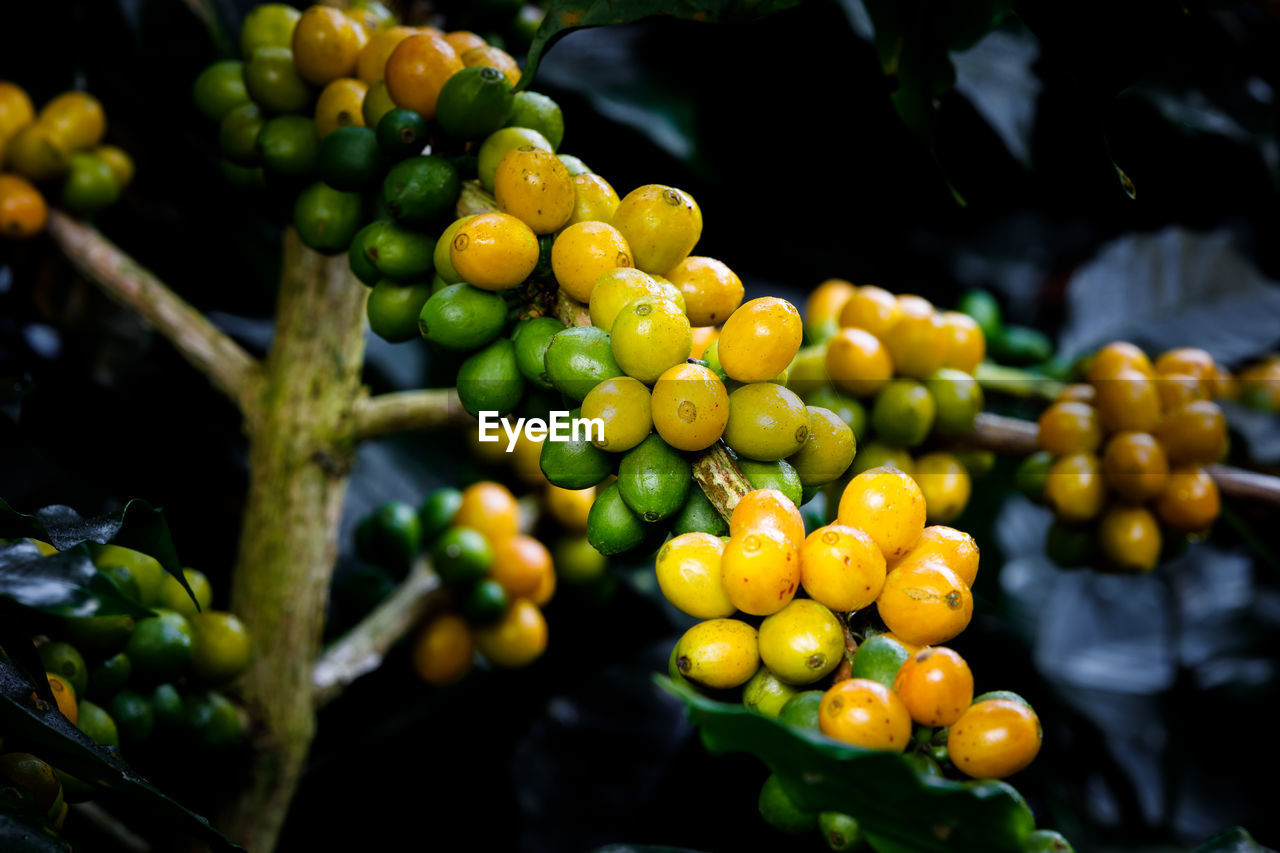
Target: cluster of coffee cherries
(58, 149)
(1123, 456)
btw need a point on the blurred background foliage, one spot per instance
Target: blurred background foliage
(1107, 169)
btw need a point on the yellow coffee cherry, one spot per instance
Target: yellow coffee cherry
(1129, 537)
(569, 507)
(326, 45)
(718, 653)
(872, 309)
(865, 713)
(494, 251)
(517, 639)
(74, 120)
(1135, 466)
(917, 342)
(966, 346)
(614, 288)
(443, 650)
(661, 225)
(842, 567)
(828, 451)
(826, 301)
(583, 252)
(371, 64)
(888, 505)
(494, 57)
(711, 290)
(808, 370)
(624, 406)
(649, 336)
(858, 362)
(594, 200)
(925, 603)
(533, 185)
(703, 337)
(995, 738)
(340, 105)
(946, 486)
(766, 422)
(761, 570)
(954, 548)
(759, 340)
(1117, 356)
(802, 642)
(1128, 400)
(119, 161)
(1074, 488)
(688, 569)
(690, 407)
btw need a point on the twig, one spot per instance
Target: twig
(1016, 382)
(232, 370)
(570, 311)
(360, 651)
(474, 199)
(403, 411)
(1011, 435)
(721, 479)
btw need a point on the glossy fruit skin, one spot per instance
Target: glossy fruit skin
(925, 603)
(34, 153)
(341, 104)
(761, 570)
(268, 25)
(421, 191)
(654, 479)
(326, 219)
(532, 338)
(539, 112)
(823, 306)
(1068, 427)
(162, 645)
(1135, 466)
(766, 694)
(612, 528)
(649, 336)
(614, 288)
(418, 69)
(501, 142)
(840, 831)
(954, 548)
(1190, 501)
(1074, 488)
(65, 660)
(474, 103)
(766, 422)
(966, 345)
(802, 643)
(273, 82)
(936, 685)
(917, 342)
(1193, 434)
(866, 714)
(90, 184)
(1128, 400)
(326, 45)
(578, 359)
(172, 596)
(841, 567)
(461, 318)
(1117, 356)
(219, 89)
(287, 146)
(534, 186)
(872, 309)
(145, 570)
(888, 505)
(946, 486)
(718, 653)
(576, 463)
(223, 647)
(778, 475)
(75, 120)
(958, 399)
(623, 404)
(518, 639)
(394, 251)
(781, 812)
(521, 564)
(95, 722)
(689, 575)
(994, 739)
(879, 658)
(1129, 538)
(769, 508)
(443, 650)
(903, 413)
(698, 515)
(594, 199)
(857, 362)
(759, 339)
(661, 224)
(371, 63)
(23, 211)
(27, 772)
(238, 135)
(490, 509)
(711, 290)
(690, 407)
(494, 251)
(65, 696)
(493, 57)
(582, 252)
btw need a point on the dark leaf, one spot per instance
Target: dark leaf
(137, 525)
(18, 834)
(16, 632)
(55, 739)
(65, 584)
(1234, 840)
(564, 16)
(894, 805)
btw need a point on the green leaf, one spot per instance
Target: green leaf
(19, 834)
(1233, 840)
(137, 525)
(49, 734)
(65, 584)
(898, 808)
(564, 16)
